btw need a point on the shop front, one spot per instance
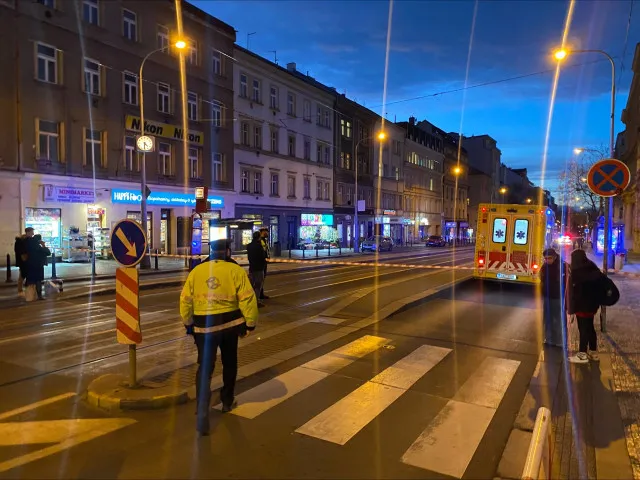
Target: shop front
(282, 222)
(390, 224)
(450, 231)
(344, 222)
(466, 233)
(317, 230)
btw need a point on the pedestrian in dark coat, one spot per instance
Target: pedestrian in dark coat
(583, 302)
(37, 253)
(553, 279)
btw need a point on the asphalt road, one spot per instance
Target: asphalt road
(430, 392)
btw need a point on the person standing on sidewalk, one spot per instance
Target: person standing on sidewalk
(20, 251)
(217, 306)
(584, 292)
(257, 264)
(553, 277)
(264, 233)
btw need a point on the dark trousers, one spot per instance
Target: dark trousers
(207, 344)
(588, 337)
(554, 321)
(263, 280)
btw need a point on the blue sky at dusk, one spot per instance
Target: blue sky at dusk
(343, 44)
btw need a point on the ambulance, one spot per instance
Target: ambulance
(510, 240)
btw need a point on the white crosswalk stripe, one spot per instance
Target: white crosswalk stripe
(449, 442)
(344, 419)
(445, 446)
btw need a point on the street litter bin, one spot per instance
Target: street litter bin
(277, 249)
(619, 261)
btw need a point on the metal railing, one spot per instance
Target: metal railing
(538, 463)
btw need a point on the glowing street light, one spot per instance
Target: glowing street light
(503, 190)
(457, 170)
(560, 54)
(382, 136)
(181, 44)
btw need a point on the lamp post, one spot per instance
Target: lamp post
(607, 260)
(146, 262)
(356, 244)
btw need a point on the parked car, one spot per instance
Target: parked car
(377, 243)
(436, 241)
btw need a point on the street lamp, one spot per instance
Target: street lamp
(381, 136)
(146, 262)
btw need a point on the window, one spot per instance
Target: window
(194, 163)
(164, 159)
(162, 38)
(46, 63)
(274, 141)
(319, 115)
(216, 58)
(273, 99)
(327, 155)
(192, 52)
(244, 133)
(243, 85)
(291, 104)
(326, 190)
(92, 147)
(257, 97)
(306, 183)
(499, 230)
(244, 181)
(164, 95)
(306, 111)
(307, 148)
(275, 184)
(319, 189)
(292, 145)
(345, 160)
(48, 147)
(319, 150)
(90, 11)
(345, 128)
(192, 106)
(216, 115)
(47, 3)
(257, 182)
(129, 25)
(291, 187)
(520, 231)
(131, 156)
(327, 122)
(130, 88)
(257, 136)
(431, 184)
(217, 170)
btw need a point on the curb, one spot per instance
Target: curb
(110, 401)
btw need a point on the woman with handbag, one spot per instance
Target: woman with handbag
(583, 302)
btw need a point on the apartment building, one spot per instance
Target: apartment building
(423, 182)
(71, 114)
(284, 137)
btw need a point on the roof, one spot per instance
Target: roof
(210, 19)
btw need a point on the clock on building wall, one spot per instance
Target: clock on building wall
(145, 143)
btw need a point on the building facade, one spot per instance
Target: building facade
(389, 184)
(355, 140)
(485, 156)
(283, 152)
(72, 113)
(423, 181)
(628, 150)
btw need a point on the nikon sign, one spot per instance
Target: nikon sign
(163, 130)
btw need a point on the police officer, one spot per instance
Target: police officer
(217, 305)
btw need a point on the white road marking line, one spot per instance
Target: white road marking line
(345, 418)
(64, 433)
(259, 399)
(33, 406)
(448, 444)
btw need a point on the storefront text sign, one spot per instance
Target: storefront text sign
(388, 212)
(315, 219)
(68, 194)
(163, 130)
(161, 198)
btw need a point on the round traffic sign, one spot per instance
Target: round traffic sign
(608, 177)
(128, 243)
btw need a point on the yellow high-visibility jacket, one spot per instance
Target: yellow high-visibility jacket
(214, 288)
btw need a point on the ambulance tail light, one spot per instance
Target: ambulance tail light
(481, 260)
(535, 267)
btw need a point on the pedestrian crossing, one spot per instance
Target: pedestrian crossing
(448, 440)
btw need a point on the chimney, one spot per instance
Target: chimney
(291, 66)
(412, 120)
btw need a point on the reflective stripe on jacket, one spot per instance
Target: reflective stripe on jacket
(216, 294)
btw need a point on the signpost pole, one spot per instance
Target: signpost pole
(133, 373)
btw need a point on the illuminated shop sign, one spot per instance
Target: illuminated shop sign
(168, 199)
(315, 219)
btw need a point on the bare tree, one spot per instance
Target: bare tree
(573, 188)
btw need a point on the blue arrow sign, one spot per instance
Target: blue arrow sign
(128, 243)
